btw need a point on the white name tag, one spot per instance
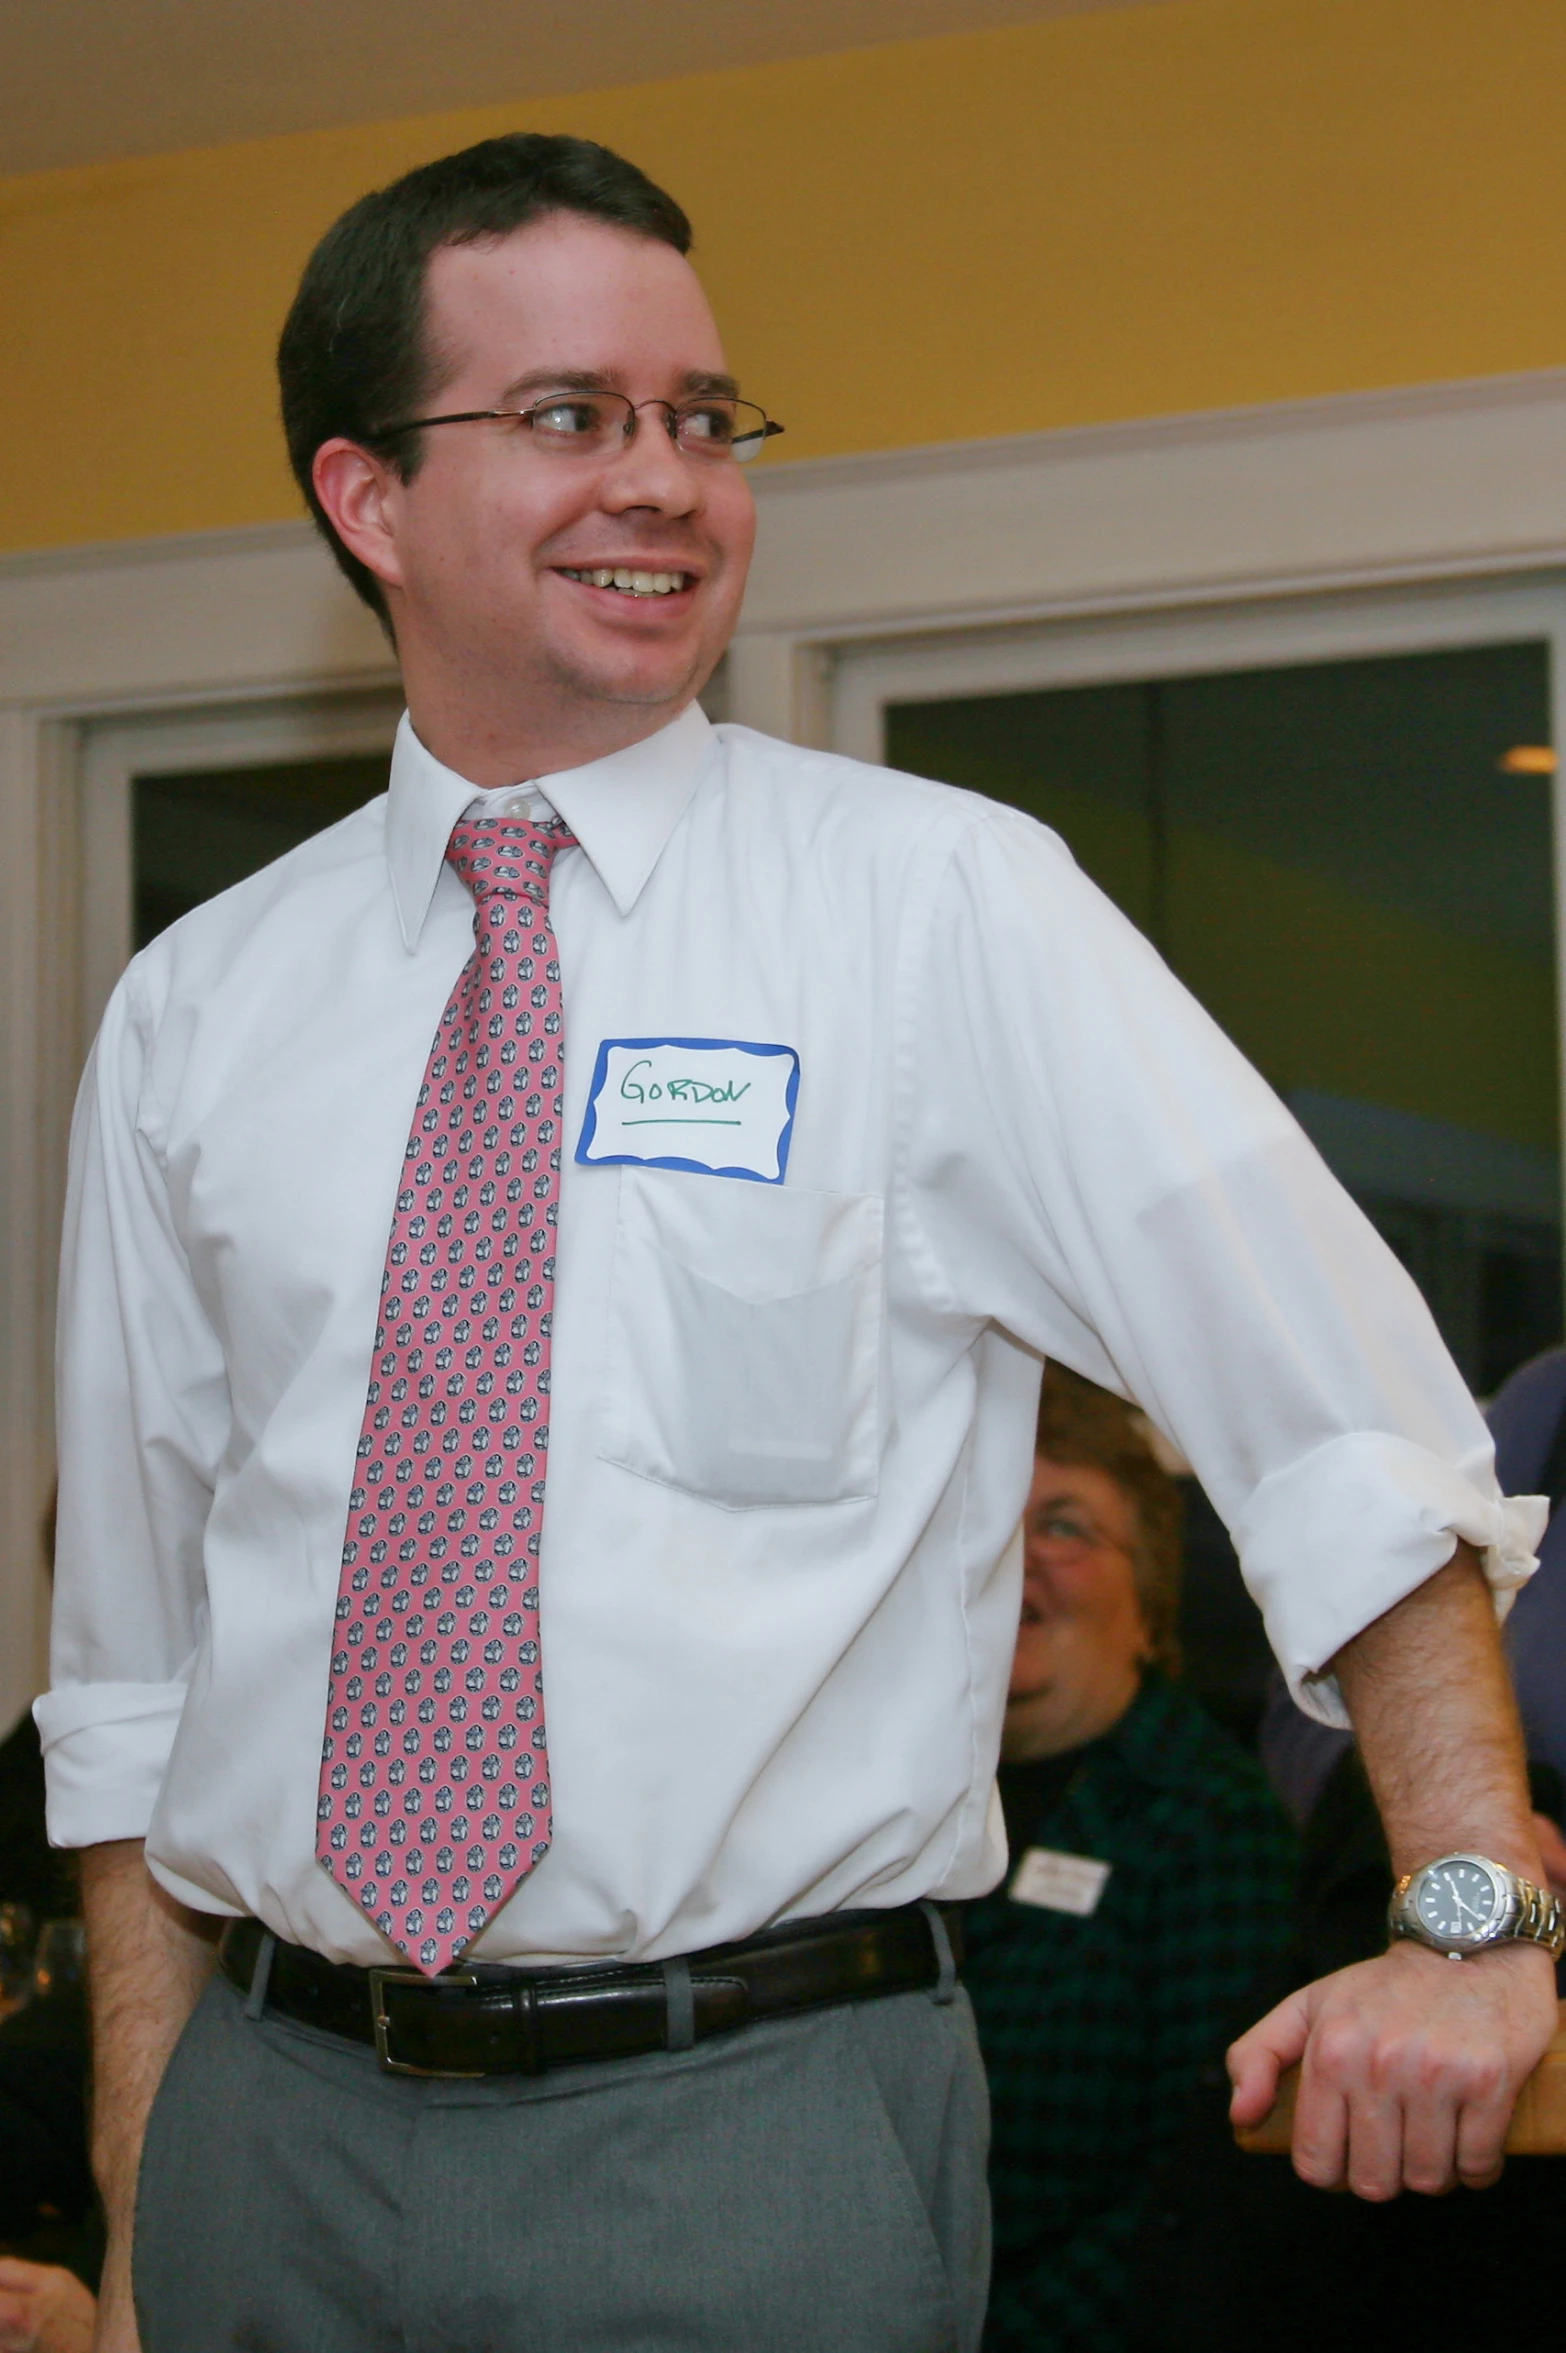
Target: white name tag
(1057, 1882)
(718, 1106)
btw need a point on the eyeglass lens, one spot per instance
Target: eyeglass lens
(588, 423)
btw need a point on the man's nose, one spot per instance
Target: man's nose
(1038, 1586)
(653, 471)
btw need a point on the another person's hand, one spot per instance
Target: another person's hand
(1410, 2067)
(43, 2309)
(1552, 1848)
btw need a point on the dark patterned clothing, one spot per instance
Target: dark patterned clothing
(1095, 2030)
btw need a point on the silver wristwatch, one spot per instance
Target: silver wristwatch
(1459, 1904)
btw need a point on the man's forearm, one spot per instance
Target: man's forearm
(148, 1960)
(1432, 1705)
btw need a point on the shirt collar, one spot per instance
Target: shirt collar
(621, 809)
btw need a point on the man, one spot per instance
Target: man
(867, 1102)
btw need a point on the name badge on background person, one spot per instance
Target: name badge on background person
(715, 1106)
(1059, 1883)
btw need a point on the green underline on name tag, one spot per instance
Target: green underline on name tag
(682, 1123)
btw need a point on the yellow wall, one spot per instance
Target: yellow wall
(1108, 215)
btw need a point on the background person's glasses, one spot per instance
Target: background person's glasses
(599, 424)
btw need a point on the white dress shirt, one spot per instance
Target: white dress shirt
(792, 1420)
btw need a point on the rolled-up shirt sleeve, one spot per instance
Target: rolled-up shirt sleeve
(143, 1418)
(1099, 1173)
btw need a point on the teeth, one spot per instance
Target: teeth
(629, 582)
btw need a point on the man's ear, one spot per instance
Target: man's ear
(357, 491)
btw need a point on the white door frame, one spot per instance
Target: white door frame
(1264, 634)
(1311, 503)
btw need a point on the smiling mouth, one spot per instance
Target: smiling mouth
(629, 580)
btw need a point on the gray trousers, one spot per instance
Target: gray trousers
(807, 2185)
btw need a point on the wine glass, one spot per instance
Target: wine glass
(60, 1962)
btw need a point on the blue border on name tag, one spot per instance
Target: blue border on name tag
(672, 1160)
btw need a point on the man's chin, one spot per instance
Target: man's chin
(639, 683)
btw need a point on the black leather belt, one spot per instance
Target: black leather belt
(487, 2020)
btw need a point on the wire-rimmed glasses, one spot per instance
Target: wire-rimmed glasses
(600, 424)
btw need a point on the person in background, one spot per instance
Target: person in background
(1527, 1420)
(1149, 1888)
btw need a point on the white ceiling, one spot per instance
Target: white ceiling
(85, 80)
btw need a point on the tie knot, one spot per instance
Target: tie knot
(508, 857)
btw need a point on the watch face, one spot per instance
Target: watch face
(1457, 1899)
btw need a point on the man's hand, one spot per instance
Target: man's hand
(1411, 2065)
(43, 2309)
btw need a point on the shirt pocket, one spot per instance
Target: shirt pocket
(745, 1340)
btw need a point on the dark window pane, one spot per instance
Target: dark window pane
(1076, 758)
(195, 834)
(1519, 1299)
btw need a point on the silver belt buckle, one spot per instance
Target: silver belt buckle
(379, 1980)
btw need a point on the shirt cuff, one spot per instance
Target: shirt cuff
(106, 1748)
(1336, 1539)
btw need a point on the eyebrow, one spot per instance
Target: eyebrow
(1068, 1500)
(692, 385)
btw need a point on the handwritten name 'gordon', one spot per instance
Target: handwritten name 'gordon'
(679, 1090)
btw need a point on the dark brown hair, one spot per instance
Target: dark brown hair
(1084, 1427)
(353, 358)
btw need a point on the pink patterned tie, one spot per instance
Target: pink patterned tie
(434, 1797)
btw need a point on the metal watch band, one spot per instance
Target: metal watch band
(1542, 1919)
(1532, 1914)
